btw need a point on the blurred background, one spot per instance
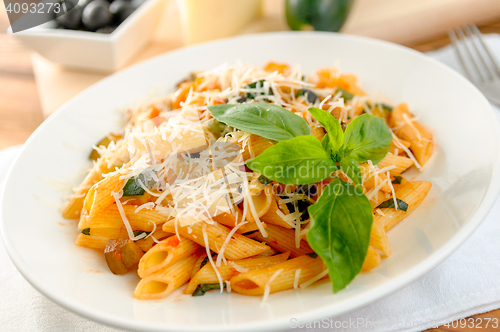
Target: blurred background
(43, 67)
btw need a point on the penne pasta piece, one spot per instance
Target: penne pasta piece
(100, 195)
(394, 148)
(202, 260)
(144, 219)
(261, 202)
(73, 208)
(254, 146)
(378, 198)
(272, 216)
(372, 260)
(283, 240)
(401, 163)
(92, 241)
(413, 193)
(166, 253)
(378, 237)
(147, 243)
(238, 247)
(318, 132)
(372, 180)
(254, 282)
(408, 129)
(207, 275)
(162, 283)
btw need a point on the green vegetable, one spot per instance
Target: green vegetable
(266, 120)
(137, 233)
(203, 288)
(340, 231)
(265, 181)
(312, 254)
(389, 204)
(133, 188)
(204, 262)
(321, 15)
(382, 105)
(300, 160)
(345, 94)
(255, 85)
(86, 231)
(397, 179)
(367, 138)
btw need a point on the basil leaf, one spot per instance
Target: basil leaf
(385, 107)
(203, 288)
(300, 160)
(340, 231)
(331, 125)
(367, 137)
(139, 232)
(351, 169)
(312, 254)
(397, 179)
(311, 97)
(266, 120)
(86, 231)
(204, 262)
(389, 204)
(133, 188)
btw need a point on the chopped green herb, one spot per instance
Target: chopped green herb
(86, 231)
(385, 107)
(133, 188)
(397, 179)
(265, 181)
(257, 85)
(204, 262)
(137, 233)
(345, 94)
(389, 204)
(312, 254)
(203, 288)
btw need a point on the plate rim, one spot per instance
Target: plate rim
(352, 303)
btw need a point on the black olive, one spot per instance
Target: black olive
(310, 96)
(121, 9)
(96, 15)
(106, 30)
(72, 19)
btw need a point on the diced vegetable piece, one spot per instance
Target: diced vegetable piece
(122, 255)
(345, 94)
(94, 155)
(203, 288)
(310, 96)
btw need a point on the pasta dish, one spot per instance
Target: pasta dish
(252, 180)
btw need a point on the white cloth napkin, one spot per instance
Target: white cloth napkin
(465, 284)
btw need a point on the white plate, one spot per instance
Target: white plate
(464, 173)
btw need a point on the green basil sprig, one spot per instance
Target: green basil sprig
(266, 120)
(341, 222)
(389, 204)
(342, 218)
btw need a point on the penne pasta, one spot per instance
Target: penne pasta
(162, 283)
(207, 275)
(401, 163)
(254, 282)
(372, 260)
(413, 193)
(166, 253)
(238, 247)
(283, 240)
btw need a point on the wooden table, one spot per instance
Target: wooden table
(21, 112)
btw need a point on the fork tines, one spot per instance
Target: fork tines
(469, 44)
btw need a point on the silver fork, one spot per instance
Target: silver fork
(478, 62)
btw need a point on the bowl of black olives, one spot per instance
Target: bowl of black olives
(99, 35)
